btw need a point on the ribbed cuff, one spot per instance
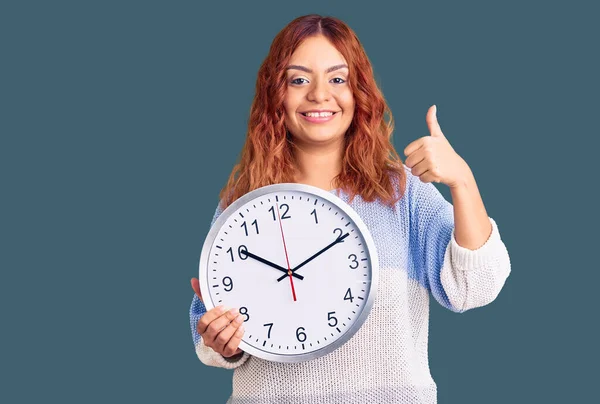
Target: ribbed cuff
(212, 358)
(464, 259)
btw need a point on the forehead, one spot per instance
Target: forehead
(317, 53)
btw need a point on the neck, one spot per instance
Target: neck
(318, 167)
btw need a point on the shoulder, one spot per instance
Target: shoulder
(417, 189)
(409, 178)
(218, 210)
(404, 184)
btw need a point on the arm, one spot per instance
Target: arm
(459, 278)
(472, 227)
(204, 353)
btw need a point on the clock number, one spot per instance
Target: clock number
(286, 211)
(272, 210)
(314, 212)
(330, 317)
(270, 325)
(300, 333)
(228, 284)
(339, 235)
(349, 296)
(255, 223)
(354, 261)
(287, 208)
(244, 249)
(240, 249)
(244, 312)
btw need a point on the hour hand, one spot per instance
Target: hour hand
(269, 263)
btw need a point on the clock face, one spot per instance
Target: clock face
(298, 263)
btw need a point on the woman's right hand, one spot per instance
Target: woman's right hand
(220, 329)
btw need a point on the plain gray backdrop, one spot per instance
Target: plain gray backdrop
(120, 121)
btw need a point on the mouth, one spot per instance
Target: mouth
(324, 114)
(318, 117)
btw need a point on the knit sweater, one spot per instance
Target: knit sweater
(386, 361)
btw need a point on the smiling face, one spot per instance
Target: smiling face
(317, 80)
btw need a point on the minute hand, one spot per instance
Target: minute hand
(336, 241)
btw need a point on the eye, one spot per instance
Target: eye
(341, 81)
(295, 80)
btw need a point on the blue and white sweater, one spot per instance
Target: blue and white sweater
(386, 361)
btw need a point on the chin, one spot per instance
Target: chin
(315, 136)
(323, 139)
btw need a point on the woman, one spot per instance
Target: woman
(318, 118)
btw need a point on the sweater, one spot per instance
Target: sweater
(386, 360)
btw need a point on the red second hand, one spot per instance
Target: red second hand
(286, 254)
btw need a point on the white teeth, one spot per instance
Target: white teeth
(318, 114)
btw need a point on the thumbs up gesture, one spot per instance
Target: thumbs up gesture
(432, 158)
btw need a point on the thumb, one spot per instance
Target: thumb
(432, 122)
(196, 287)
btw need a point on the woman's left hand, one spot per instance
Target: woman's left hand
(432, 158)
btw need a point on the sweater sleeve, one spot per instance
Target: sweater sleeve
(204, 353)
(458, 278)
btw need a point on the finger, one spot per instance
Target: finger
(412, 147)
(233, 344)
(213, 328)
(432, 122)
(421, 168)
(208, 317)
(222, 339)
(196, 287)
(415, 158)
(428, 176)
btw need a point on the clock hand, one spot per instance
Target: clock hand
(336, 241)
(290, 273)
(269, 263)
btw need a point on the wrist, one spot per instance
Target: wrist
(234, 357)
(465, 181)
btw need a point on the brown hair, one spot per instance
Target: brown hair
(369, 159)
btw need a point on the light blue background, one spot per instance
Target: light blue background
(121, 121)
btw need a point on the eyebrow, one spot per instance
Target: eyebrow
(307, 70)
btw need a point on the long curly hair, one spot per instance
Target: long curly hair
(369, 161)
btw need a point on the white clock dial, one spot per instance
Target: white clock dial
(299, 264)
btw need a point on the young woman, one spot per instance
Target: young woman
(318, 118)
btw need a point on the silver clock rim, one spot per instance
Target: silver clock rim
(371, 248)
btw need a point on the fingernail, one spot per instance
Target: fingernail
(233, 311)
(224, 309)
(239, 319)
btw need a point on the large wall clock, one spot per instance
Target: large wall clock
(299, 264)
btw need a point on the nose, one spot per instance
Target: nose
(319, 92)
